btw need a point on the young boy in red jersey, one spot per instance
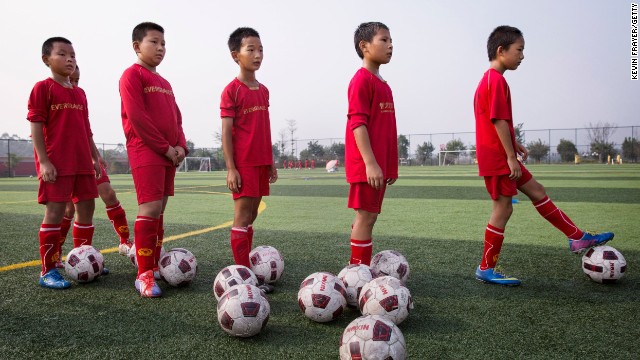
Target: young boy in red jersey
(497, 152)
(156, 144)
(371, 142)
(66, 161)
(246, 141)
(115, 211)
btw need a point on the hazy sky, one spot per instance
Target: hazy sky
(576, 68)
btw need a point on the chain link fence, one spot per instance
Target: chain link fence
(545, 146)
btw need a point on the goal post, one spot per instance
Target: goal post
(456, 157)
(202, 164)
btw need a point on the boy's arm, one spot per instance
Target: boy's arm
(48, 171)
(97, 159)
(181, 148)
(502, 128)
(374, 172)
(234, 182)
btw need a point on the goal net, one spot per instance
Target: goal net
(202, 164)
(456, 157)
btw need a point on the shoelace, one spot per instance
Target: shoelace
(55, 276)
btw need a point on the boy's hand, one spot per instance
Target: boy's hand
(273, 174)
(172, 154)
(181, 153)
(374, 176)
(522, 151)
(98, 169)
(514, 167)
(391, 181)
(48, 172)
(234, 182)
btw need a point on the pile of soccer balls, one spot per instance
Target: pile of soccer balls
(378, 292)
(604, 264)
(243, 309)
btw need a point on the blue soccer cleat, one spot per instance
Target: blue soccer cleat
(493, 276)
(53, 280)
(588, 240)
(146, 285)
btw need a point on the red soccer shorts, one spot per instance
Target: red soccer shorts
(363, 196)
(104, 178)
(153, 182)
(255, 181)
(501, 184)
(68, 188)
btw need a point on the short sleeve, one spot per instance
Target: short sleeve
(359, 95)
(38, 105)
(228, 103)
(498, 95)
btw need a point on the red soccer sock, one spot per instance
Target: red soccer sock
(118, 219)
(493, 238)
(240, 245)
(82, 234)
(361, 251)
(557, 218)
(49, 239)
(250, 232)
(156, 255)
(64, 230)
(145, 232)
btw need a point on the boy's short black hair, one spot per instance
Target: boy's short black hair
(502, 36)
(366, 32)
(235, 39)
(47, 46)
(140, 31)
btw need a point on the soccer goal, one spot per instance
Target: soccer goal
(456, 157)
(202, 164)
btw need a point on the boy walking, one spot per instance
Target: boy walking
(156, 144)
(497, 152)
(66, 161)
(115, 211)
(246, 141)
(371, 142)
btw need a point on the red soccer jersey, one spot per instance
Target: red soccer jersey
(251, 132)
(151, 118)
(371, 105)
(67, 132)
(492, 101)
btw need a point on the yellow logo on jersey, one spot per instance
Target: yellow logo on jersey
(145, 252)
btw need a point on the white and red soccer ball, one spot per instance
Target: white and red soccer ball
(266, 263)
(387, 297)
(322, 297)
(372, 337)
(392, 263)
(178, 267)
(232, 275)
(84, 263)
(354, 277)
(134, 259)
(243, 310)
(604, 264)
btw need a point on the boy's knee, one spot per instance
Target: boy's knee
(108, 195)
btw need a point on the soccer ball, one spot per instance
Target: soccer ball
(354, 278)
(392, 263)
(322, 297)
(267, 264)
(604, 264)
(231, 276)
(243, 310)
(372, 337)
(134, 259)
(84, 263)
(387, 297)
(178, 267)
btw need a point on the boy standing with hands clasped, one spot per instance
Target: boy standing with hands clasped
(156, 144)
(65, 156)
(246, 141)
(497, 152)
(371, 141)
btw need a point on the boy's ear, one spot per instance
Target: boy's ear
(499, 51)
(45, 60)
(136, 46)
(234, 56)
(362, 45)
